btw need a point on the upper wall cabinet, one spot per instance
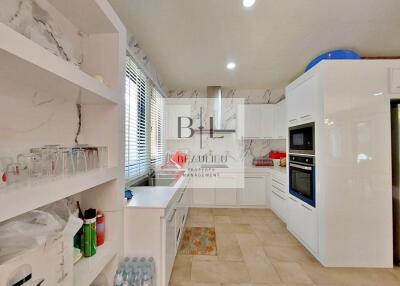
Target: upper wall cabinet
(280, 123)
(258, 121)
(300, 100)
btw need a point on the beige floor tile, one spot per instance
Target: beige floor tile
(288, 253)
(257, 212)
(277, 239)
(247, 219)
(190, 283)
(228, 247)
(233, 228)
(181, 271)
(190, 223)
(226, 211)
(291, 272)
(250, 246)
(219, 272)
(222, 219)
(261, 270)
(200, 219)
(200, 211)
(261, 229)
(205, 257)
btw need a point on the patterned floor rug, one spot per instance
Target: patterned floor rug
(198, 241)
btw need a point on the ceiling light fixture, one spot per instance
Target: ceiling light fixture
(230, 65)
(248, 3)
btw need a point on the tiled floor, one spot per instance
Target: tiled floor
(254, 247)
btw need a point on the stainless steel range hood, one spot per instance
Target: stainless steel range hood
(214, 110)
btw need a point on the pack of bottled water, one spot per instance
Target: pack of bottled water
(135, 272)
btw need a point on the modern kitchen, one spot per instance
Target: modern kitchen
(199, 143)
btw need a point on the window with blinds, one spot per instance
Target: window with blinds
(157, 128)
(144, 123)
(137, 162)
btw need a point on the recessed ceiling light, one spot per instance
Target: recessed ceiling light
(230, 65)
(248, 3)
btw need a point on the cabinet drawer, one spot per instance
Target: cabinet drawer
(278, 205)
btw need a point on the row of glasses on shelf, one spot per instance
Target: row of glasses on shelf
(51, 161)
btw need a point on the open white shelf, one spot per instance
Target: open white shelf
(27, 63)
(88, 268)
(23, 197)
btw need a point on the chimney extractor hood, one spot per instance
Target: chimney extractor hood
(214, 110)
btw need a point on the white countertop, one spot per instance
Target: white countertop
(153, 197)
(270, 169)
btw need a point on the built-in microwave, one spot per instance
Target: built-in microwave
(302, 178)
(301, 139)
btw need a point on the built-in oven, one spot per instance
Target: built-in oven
(302, 178)
(301, 139)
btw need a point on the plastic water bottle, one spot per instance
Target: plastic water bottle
(118, 279)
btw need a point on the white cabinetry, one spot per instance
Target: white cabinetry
(170, 243)
(302, 221)
(280, 121)
(254, 191)
(300, 100)
(203, 196)
(258, 121)
(279, 197)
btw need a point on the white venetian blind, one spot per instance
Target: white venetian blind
(137, 161)
(157, 123)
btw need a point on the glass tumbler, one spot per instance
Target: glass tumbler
(92, 155)
(4, 162)
(64, 164)
(103, 156)
(80, 159)
(50, 157)
(13, 173)
(31, 165)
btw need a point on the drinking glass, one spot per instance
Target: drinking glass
(13, 174)
(4, 162)
(80, 160)
(92, 155)
(31, 165)
(64, 164)
(103, 156)
(50, 157)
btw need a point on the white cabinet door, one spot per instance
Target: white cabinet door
(252, 121)
(309, 232)
(302, 220)
(254, 191)
(267, 120)
(278, 204)
(300, 101)
(170, 244)
(225, 197)
(280, 122)
(203, 196)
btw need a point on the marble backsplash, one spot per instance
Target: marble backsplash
(42, 23)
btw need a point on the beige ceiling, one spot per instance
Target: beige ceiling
(190, 41)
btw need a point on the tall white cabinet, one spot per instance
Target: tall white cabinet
(349, 101)
(40, 91)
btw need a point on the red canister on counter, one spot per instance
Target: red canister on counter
(100, 228)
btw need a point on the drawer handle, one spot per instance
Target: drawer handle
(278, 195)
(171, 217)
(305, 116)
(278, 182)
(281, 191)
(293, 199)
(291, 120)
(304, 206)
(180, 198)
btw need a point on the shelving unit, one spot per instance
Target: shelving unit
(35, 85)
(88, 268)
(21, 198)
(46, 71)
